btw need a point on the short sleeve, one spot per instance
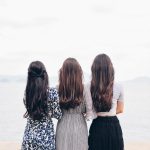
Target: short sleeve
(53, 101)
(121, 93)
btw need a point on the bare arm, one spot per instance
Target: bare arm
(120, 102)
(120, 107)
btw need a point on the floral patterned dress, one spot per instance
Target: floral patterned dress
(39, 135)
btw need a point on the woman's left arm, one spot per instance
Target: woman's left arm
(120, 107)
(54, 104)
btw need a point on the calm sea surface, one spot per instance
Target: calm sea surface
(135, 121)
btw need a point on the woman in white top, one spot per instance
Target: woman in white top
(105, 131)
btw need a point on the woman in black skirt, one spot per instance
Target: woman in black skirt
(105, 131)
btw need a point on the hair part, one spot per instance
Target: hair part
(36, 93)
(102, 83)
(70, 84)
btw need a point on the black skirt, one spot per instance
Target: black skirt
(105, 134)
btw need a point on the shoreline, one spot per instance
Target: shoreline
(135, 145)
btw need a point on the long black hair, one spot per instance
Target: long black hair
(102, 83)
(36, 94)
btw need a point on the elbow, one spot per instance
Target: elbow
(119, 111)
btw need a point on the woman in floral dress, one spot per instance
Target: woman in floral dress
(41, 104)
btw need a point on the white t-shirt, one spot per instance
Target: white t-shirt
(117, 96)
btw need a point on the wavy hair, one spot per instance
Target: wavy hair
(70, 84)
(36, 94)
(102, 83)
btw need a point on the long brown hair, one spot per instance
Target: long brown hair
(36, 94)
(70, 84)
(102, 83)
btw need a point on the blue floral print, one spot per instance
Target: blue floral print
(39, 135)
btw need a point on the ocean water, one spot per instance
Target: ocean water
(135, 120)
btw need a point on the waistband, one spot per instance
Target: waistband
(107, 118)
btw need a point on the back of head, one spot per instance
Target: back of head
(70, 84)
(36, 91)
(102, 83)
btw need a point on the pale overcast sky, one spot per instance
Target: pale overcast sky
(52, 30)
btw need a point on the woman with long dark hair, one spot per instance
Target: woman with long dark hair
(41, 104)
(72, 132)
(105, 131)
